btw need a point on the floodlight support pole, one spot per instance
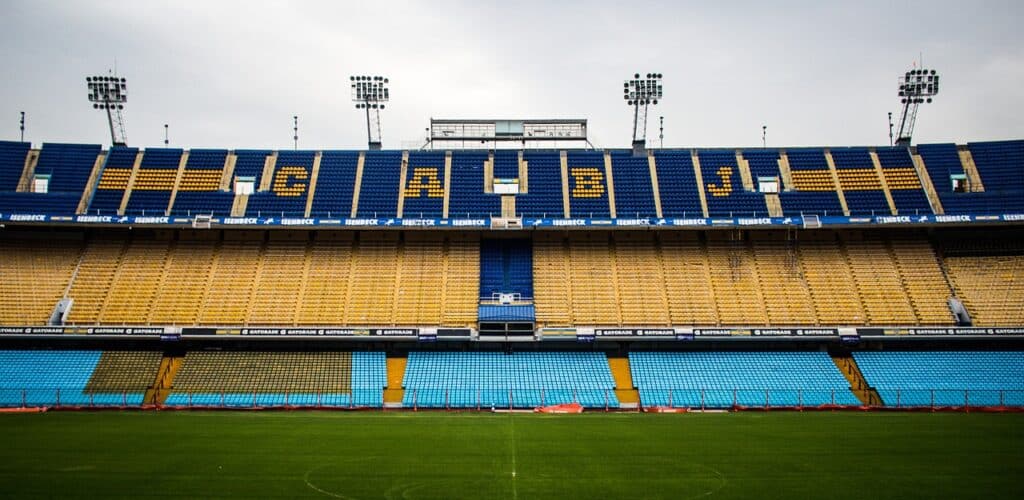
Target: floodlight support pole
(110, 122)
(907, 120)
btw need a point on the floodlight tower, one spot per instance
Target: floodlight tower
(641, 92)
(917, 86)
(370, 93)
(110, 93)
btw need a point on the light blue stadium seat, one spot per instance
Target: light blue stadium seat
(962, 378)
(516, 380)
(727, 379)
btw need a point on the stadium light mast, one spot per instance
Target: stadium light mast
(641, 92)
(110, 93)
(916, 87)
(22, 126)
(370, 93)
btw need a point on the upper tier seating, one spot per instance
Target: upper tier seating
(727, 379)
(996, 161)
(424, 184)
(544, 180)
(378, 196)
(117, 171)
(724, 188)
(677, 183)
(154, 182)
(199, 190)
(634, 195)
(335, 184)
(945, 378)
(517, 380)
(467, 198)
(12, 163)
(247, 379)
(810, 185)
(588, 184)
(288, 190)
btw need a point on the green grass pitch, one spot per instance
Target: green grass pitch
(521, 456)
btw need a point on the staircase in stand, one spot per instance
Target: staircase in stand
(628, 396)
(161, 388)
(867, 395)
(394, 392)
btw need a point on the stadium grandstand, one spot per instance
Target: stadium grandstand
(674, 278)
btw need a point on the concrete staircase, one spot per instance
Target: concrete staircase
(627, 394)
(867, 395)
(394, 393)
(161, 388)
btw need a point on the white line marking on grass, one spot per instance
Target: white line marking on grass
(512, 443)
(721, 485)
(305, 479)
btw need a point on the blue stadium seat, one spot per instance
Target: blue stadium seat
(727, 379)
(544, 182)
(154, 183)
(467, 198)
(634, 194)
(378, 196)
(54, 378)
(677, 184)
(506, 266)
(12, 164)
(937, 378)
(517, 380)
(424, 185)
(335, 184)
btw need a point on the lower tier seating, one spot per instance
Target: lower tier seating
(728, 379)
(945, 378)
(513, 380)
(254, 379)
(75, 378)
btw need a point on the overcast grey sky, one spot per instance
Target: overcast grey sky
(231, 74)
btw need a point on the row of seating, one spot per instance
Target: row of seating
(811, 187)
(377, 278)
(729, 379)
(672, 278)
(507, 380)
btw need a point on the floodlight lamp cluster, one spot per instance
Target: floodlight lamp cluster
(642, 90)
(369, 92)
(107, 92)
(918, 86)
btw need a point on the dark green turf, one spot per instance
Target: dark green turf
(436, 455)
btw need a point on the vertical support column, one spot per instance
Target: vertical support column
(926, 182)
(700, 182)
(177, 181)
(489, 173)
(229, 171)
(611, 183)
(651, 164)
(131, 183)
(28, 172)
(744, 166)
(835, 181)
(358, 184)
(90, 186)
(312, 182)
(565, 184)
(448, 182)
(402, 180)
(524, 175)
(882, 180)
(784, 172)
(971, 170)
(267, 180)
